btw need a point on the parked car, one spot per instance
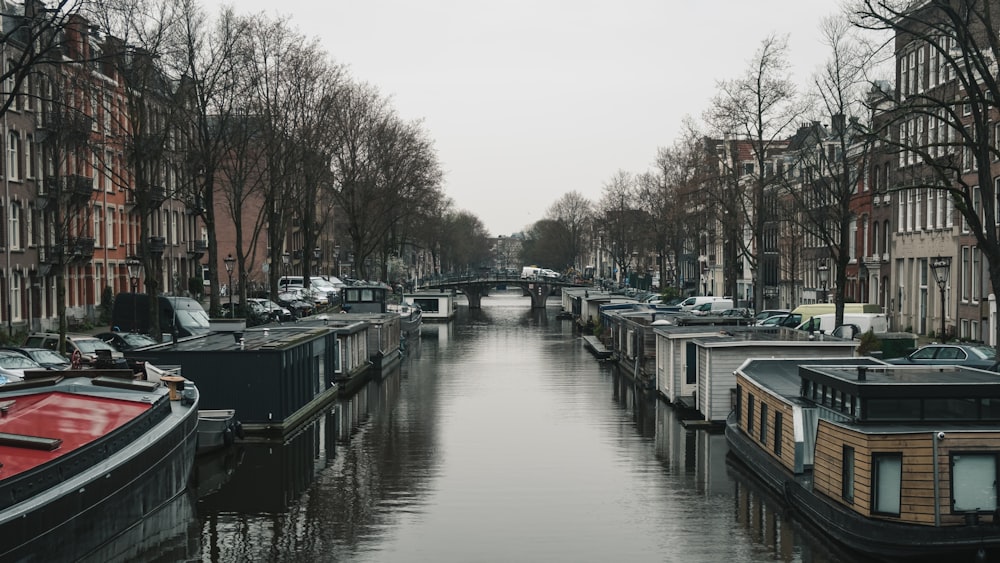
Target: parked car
(296, 302)
(971, 355)
(767, 313)
(781, 319)
(13, 365)
(274, 311)
(85, 344)
(48, 359)
(254, 313)
(125, 341)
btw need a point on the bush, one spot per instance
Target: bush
(868, 343)
(196, 286)
(107, 305)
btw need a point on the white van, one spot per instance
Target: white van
(713, 307)
(695, 300)
(859, 322)
(530, 272)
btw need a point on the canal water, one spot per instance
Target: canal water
(498, 439)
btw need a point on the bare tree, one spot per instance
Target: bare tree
(826, 164)
(758, 108)
(383, 168)
(666, 194)
(621, 222)
(942, 125)
(141, 34)
(217, 133)
(575, 213)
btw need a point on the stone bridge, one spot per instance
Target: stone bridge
(475, 287)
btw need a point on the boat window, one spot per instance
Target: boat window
(974, 482)
(750, 414)
(763, 423)
(888, 483)
(778, 421)
(847, 474)
(367, 295)
(991, 409)
(951, 409)
(893, 409)
(739, 402)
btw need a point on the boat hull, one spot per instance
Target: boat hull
(87, 508)
(878, 538)
(217, 429)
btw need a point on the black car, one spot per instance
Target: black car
(48, 359)
(125, 341)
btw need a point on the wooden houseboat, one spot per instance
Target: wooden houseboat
(275, 376)
(891, 461)
(718, 357)
(436, 306)
(590, 308)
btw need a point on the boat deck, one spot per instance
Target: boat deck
(596, 347)
(40, 427)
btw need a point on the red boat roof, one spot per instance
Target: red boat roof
(75, 419)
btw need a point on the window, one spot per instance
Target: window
(13, 168)
(110, 228)
(98, 225)
(973, 483)
(778, 421)
(886, 492)
(750, 414)
(15, 226)
(763, 423)
(847, 474)
(29, 158)
(15, 296)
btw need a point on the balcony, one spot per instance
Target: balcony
(157, 195)
(197, 248)
(78, 189)
(156, 246)
(79, 249)
(49, 253)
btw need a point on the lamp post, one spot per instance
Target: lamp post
(823, 271)
(336, 260)
(286, 259)
(230, 263)
(133, 265)
(317, 253)
(941, 266)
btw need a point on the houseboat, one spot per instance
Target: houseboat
(86, 456)
(275, 376)
(891, 461)
(717, 358)
(676, 376)
(435, 306)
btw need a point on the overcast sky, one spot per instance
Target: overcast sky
(527, 100)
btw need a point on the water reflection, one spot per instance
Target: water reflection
(500, 439)
(773, 531)
(169, 534)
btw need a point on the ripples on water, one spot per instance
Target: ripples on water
(500, 439)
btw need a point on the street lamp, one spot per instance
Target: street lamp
(133, 265)
(823, 271)
(941, 266)
(230, 262)
(316, 255)
(286, 259)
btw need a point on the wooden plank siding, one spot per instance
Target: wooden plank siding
(774, 405)
(917, 487)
